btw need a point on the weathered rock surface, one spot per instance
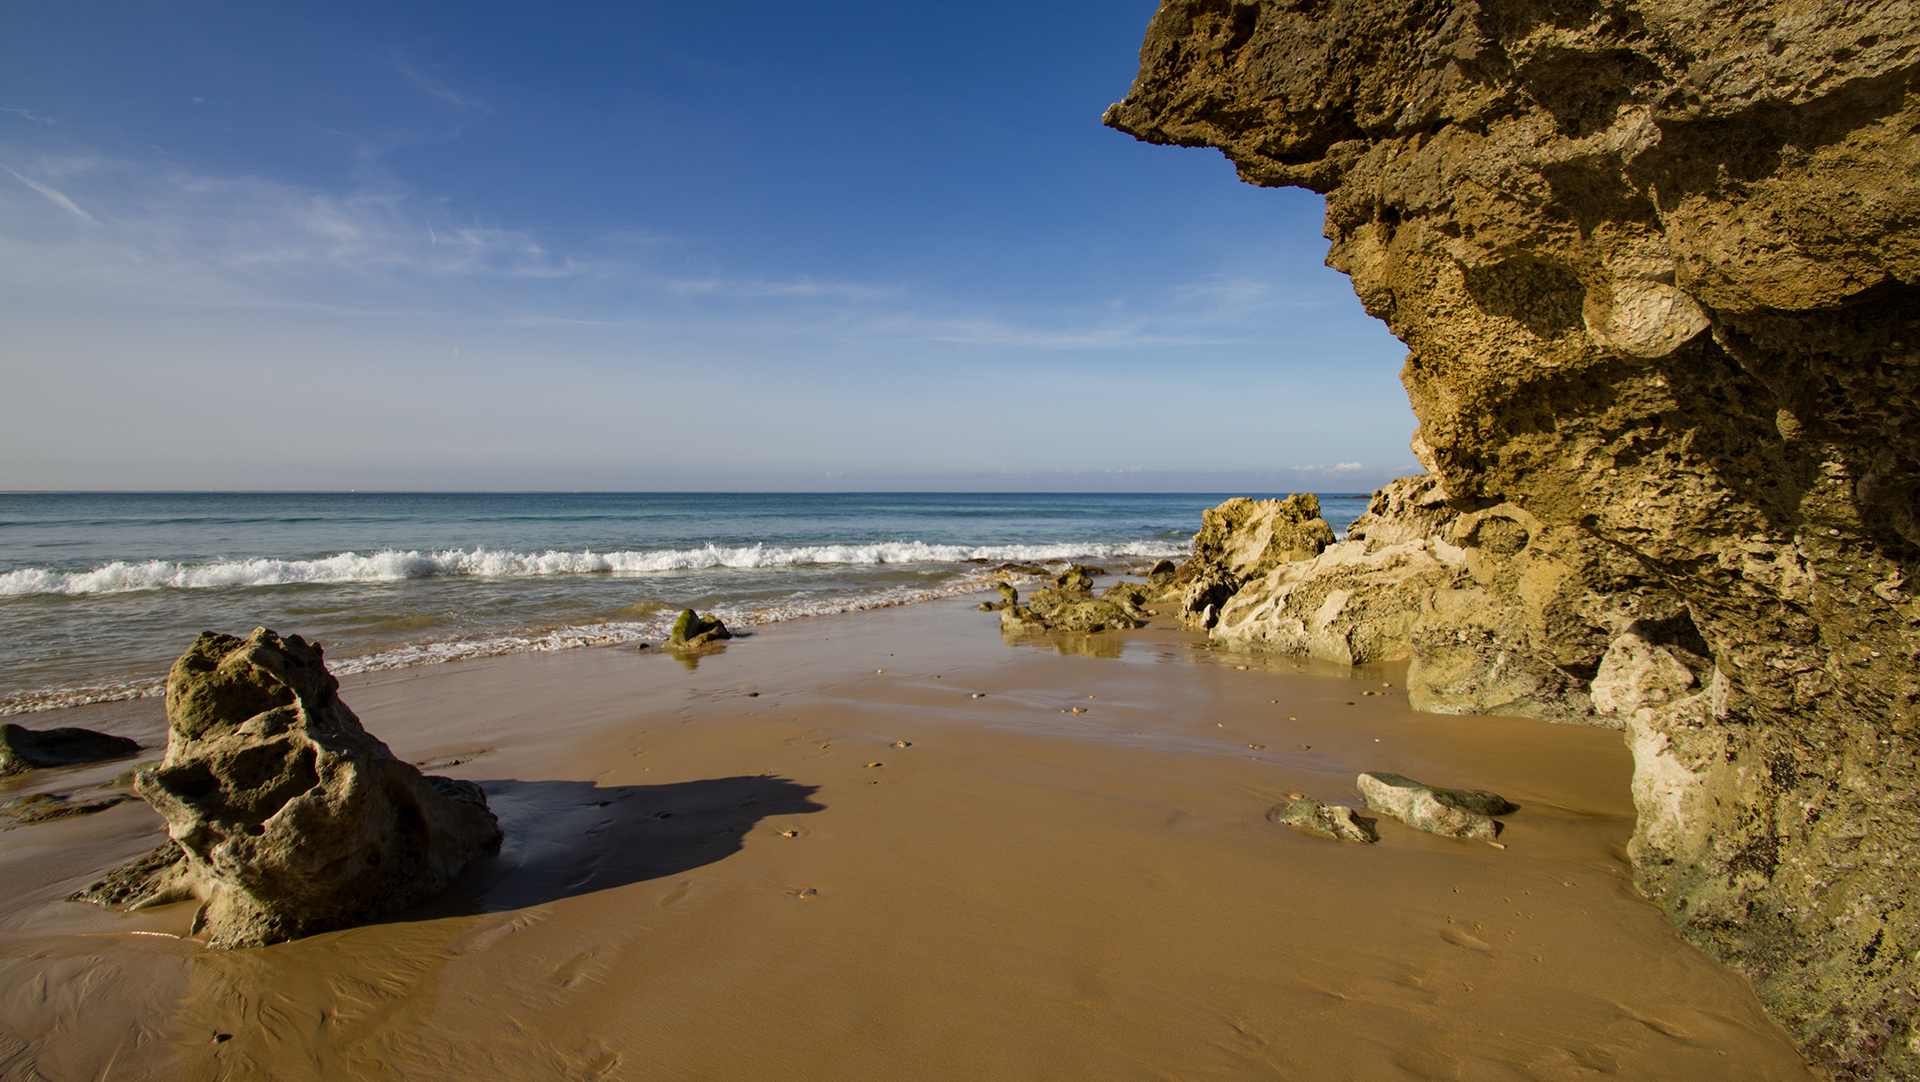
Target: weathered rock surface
(1656, 264)
(287, 817)
(1455, 813)
(691, 630)
(1497, 612)
(1327, 820)
(24, 749)
(1241, 540)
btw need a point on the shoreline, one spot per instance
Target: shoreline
(1021, 891)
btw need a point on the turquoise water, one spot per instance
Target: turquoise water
(100, 591)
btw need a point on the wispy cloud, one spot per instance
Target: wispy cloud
(27, 115)
(154, 232)
(161, 232)
(428, 86)
(59, 199)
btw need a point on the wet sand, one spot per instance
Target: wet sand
(734, 870)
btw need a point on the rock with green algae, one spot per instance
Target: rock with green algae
(1070, 605)
(691, 630)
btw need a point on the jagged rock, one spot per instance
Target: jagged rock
(1455, 813)
(1240, 540)
(691, 630)
(1496, 612)
(1162, 573)
(24, 749)
(1327, 820)
(289, 817)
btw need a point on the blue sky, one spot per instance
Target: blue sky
(649, 246)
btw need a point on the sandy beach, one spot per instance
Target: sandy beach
(890, 845)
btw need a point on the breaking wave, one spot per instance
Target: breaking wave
(392, 566)
(608, 633)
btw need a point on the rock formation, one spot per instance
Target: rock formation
(23, 749)
(287, 817)
(1241, 540)
(1497, 612)
(1070, 605)
(1655, 262)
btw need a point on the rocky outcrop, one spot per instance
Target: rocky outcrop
(23, 749)
(1655, 263)
(1241, 540)
(1495, 611)
(286, 817)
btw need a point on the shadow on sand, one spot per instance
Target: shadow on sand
(565, 838)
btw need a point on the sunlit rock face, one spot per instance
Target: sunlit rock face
(287, 817)
(1655, 263)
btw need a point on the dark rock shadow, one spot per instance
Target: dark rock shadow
(566, 838)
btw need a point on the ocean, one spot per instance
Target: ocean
(99, 592)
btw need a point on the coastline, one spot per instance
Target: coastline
(1019, 892)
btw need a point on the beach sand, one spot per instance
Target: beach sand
(781, 861)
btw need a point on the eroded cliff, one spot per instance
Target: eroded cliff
(1656, 266)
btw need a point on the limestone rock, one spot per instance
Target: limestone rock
(1327, 820)
(24, 749)
(691, 630)
(1657, 265)
(287, 817)
(1496, 612)
(1455, 813)
(1243, 539)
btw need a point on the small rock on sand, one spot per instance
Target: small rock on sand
(1453, 813)
(24, 749)
(1327, 820)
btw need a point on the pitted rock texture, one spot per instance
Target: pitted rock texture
(1655, 261)
(1241, 540)
(1495, 611)
(288, 817)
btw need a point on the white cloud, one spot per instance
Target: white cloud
(155, 232)
(59, 199)
(162, 233)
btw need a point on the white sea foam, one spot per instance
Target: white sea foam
(391, 566)
(562, 638)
